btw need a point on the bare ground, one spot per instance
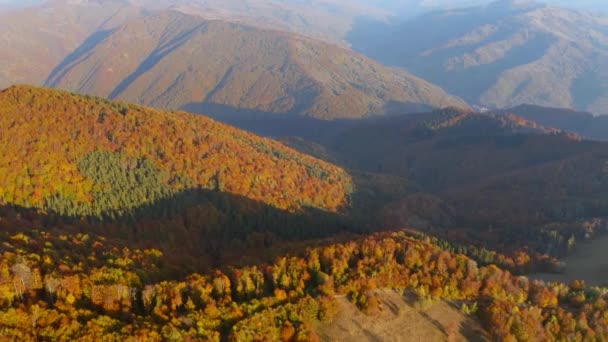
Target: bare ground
(399, 320)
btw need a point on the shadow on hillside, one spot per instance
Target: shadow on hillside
(290, 124)
(200, 229)
(155, 57)
(276, 125)
(66, 65)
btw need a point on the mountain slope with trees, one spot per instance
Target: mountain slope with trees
(119, 221)
(83, 286)
(184, 183)
(499, 181)
(180, 61)
(582, 123)
(77, 148)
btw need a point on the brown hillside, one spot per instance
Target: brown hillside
(499, 175)
(36, 39)
(178, 61)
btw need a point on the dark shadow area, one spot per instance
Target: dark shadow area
(274, 125)
(66, 65)
(472, 333)
(290, 124)
(200, 229)
(395, 108)
(154, 58)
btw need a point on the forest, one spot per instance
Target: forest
(120, 222)
(62, 286)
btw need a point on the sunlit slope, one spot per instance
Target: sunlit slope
(81, 155)
(178, 61)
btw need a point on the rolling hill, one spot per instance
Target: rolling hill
(84, 286)
(183, 183)
(182, 150)
(503, 54)
(178, 61)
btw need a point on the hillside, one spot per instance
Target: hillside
(177, 181)
(328, 20)
(225, 69)
(582, 123)
(37, 36)
(59, 285)
(503, 54)
(67, 135)
(493, 180)
(399, 317)
(37, 39)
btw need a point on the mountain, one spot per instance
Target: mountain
(37, 36)
(180, 61)
(503, 54)
(328, 20)
(71, 135)
(582, 123)
(494, 178)
(36, 39)
(186, 184)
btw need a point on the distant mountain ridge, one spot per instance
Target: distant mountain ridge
(504, 54)
(178, 61)
(583, 123)
(36, 39)
(486, 167)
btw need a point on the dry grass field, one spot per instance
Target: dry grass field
(400, 320)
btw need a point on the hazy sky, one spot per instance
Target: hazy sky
(421, 5)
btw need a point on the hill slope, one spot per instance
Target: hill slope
(74, 145)
(582, 123)
(397, 318)
(505, 54)
(202, 192)
(36, 39)
(180, 61)
(499, 177)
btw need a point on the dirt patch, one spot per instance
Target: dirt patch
(399, 320)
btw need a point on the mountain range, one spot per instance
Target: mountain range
(185, 62)
(496, 55)
(502, 54)
(113, 213)
(38, 38)
(378, 206)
